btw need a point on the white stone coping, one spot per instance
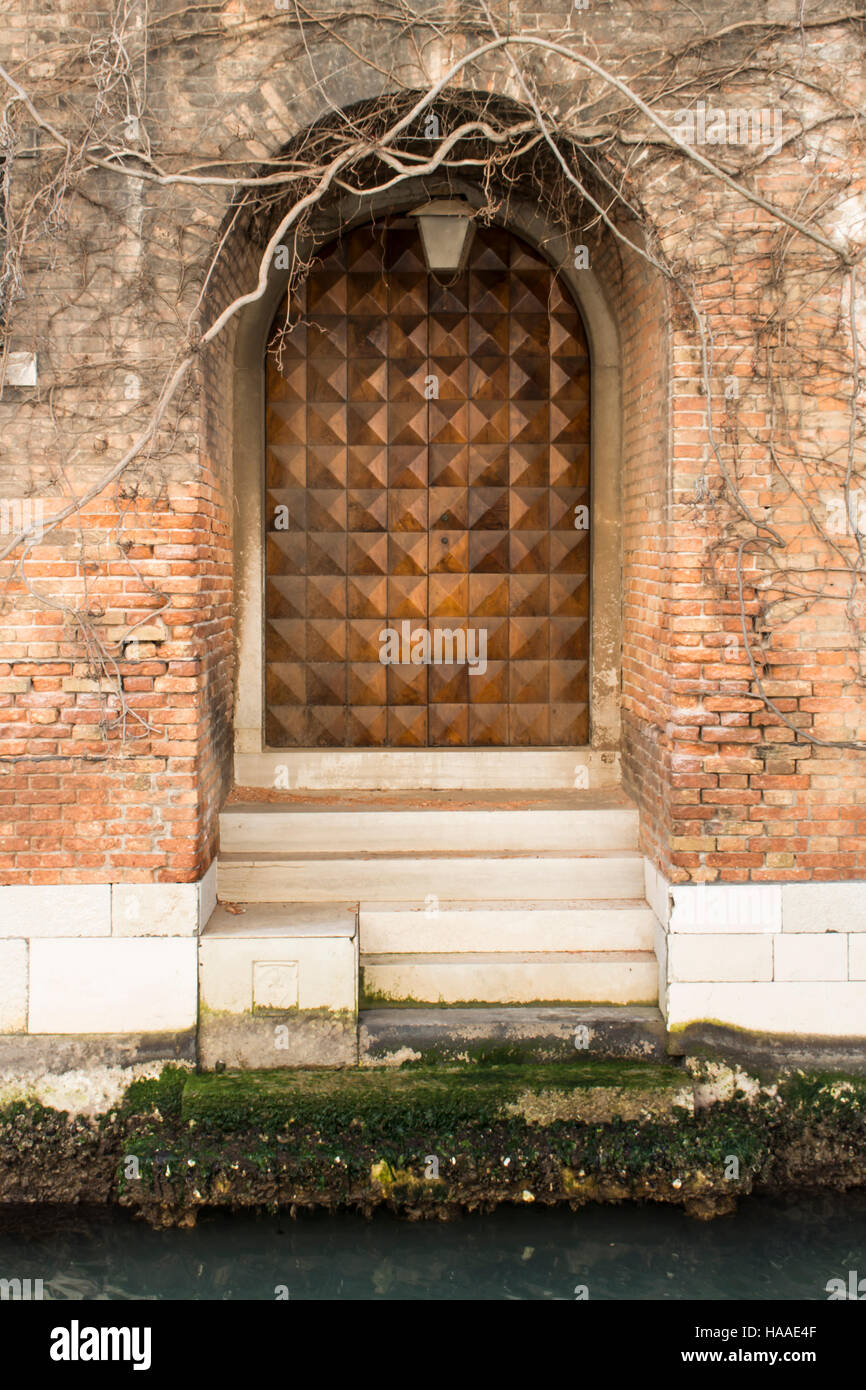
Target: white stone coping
(33, 911)
(757, 907)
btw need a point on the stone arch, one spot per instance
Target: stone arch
(624, 310)
(249, 456)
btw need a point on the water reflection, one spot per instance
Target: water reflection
(771, 1249)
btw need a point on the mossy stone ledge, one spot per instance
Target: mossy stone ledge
(432, 1142)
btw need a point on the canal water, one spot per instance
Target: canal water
(770, 1249)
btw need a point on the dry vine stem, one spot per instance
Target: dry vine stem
(584, 163)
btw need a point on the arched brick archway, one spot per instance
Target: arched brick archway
(427, 558)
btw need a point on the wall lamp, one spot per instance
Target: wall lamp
(447, 230)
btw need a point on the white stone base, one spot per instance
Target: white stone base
(784, 959)
(101, 958)
(13, 986)
(139, 985)
(124, 959)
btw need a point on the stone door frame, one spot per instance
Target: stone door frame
(248, 416)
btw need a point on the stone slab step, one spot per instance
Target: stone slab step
(414, 768)
(616, 925)
(440, 822)
(604, 977)
(277, 920)
(396, 878)
(388, 1037)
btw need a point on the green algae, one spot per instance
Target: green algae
(444, 1095)
(358, 1138)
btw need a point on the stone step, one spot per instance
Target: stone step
(281, 920)
(388, 1037)
(412, 768)
(616, 925)
(299, 878)
(278, 986)
(604, 977)
(577, 821)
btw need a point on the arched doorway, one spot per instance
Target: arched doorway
(427, 472)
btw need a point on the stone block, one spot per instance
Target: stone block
(279, 987)
(207, 894)
(70, 909)
(811, 956)
(739, 908)
(129, 986)
(725, 956)
(657, 890)
(824, 907)
(13, 986)
(660, 946)
(832, 1009)
(325, 968)
(154, 909)
(856, 956)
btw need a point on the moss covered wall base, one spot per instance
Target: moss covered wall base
(431, 1142)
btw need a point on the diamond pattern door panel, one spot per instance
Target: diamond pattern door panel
(427, 471)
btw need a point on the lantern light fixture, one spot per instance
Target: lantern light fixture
(447, 229)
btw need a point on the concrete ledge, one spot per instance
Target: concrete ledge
(388, 1037)
(105, 909)
(56, 1053)
(277, 1040)
(250, 920)
(770, 1051)
(447, 769)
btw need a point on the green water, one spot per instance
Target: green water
(770, 1249)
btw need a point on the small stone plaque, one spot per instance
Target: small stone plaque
(275, 984)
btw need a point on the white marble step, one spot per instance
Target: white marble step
(262, 877)
(395, 928)
(435, 822)
(413, 768)
(604, 977)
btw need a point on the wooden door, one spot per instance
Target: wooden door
(427, 470)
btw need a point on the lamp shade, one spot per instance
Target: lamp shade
(447, 229)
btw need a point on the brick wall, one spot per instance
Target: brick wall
(726, 789)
